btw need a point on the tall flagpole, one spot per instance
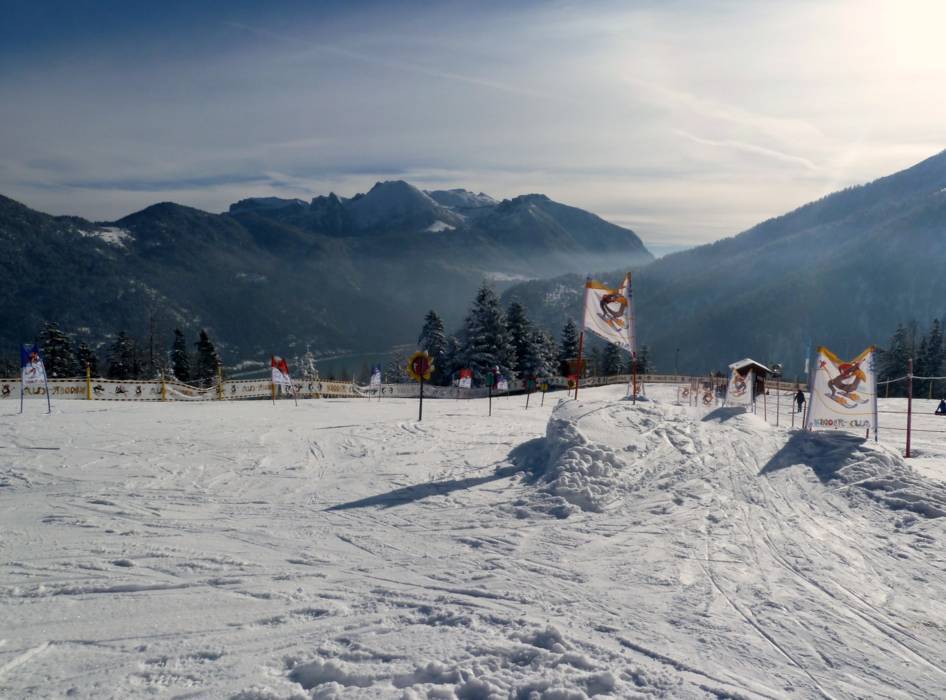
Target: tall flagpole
(581, 337)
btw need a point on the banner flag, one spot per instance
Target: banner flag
(32, 369)
(843, 394)
(280, 372)
(739, 391)
(375, 376)
(502, 384)
(466, 379)
(609, 313)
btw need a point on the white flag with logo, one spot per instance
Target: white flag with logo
(843, 393)
(739, 390)
(609, 313)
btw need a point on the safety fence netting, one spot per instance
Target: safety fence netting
(171, 390)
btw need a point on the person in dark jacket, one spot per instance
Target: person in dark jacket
(800, 400)
(941, 409)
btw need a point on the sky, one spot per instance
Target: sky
(685, 121)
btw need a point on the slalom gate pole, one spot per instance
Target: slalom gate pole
(581, 346)
(88, 382)
(164, 387)
(634, 379)
(22, 386)
(420, 409)
(49, 405)
(490, 388)
(909, 403)
(528, 394)
(778, 404)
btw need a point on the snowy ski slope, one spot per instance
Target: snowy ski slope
(341, 549)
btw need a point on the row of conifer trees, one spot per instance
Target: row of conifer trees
(126, 358)
(495, 337)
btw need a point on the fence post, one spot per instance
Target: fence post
(88, 382)
(909, 402)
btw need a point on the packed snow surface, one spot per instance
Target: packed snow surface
(343, 549)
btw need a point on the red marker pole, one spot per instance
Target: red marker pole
(909, 402)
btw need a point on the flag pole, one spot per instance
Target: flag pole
(581, 345)
(49, 404)
(272, 384)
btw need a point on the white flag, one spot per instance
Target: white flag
(739, 391)
(843, 394)
(280, 371)
(32, 369)
(609, 313)
(375, 376)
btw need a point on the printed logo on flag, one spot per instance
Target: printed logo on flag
(502, 384)
(609, 313)
(280, 371)
(843, 393)
(32, 370)
(375, 376)
(466, 379)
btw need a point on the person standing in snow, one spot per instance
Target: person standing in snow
(941, 409)
(800, 399)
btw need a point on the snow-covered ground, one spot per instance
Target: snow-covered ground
(340, 548)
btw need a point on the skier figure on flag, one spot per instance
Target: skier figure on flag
(850, 376)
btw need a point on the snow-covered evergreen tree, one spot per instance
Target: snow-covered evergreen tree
(180, 358)
(395, 370)
(894, 360)
(205, 371)
(568, 348)
(486, 339)
(433, 339)
(933, 359)
(85, 356)
(307, 366)
(521, 337)
(645, 364)
(452, 361)
(58, 357)
(124, 361)
(538, 358)
(611, 360)
(593, 368)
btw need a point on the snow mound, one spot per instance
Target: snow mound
(862, 467)
(581, 472)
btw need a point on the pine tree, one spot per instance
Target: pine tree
(894, 360)
(58, 357)
(86, 357)
(208, 361)
(433, 339)
(548, 350)
(452, 360)
(180, 359)
(644, 361)
(934, 356)
(568, 349)
(308, 368)
(594, 362)
(521, 337)
(123, 360)
(611, 360)
(486, 340)
(395, 371)
(533, 360)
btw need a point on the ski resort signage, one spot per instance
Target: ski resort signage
(843, 393)
(420, 367)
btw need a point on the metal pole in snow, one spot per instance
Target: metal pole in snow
(420, 410)
(909, 402)
(581, 345)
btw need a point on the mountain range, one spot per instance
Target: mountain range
(842, 271)
(335, 274)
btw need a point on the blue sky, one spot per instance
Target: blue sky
(685, 121)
